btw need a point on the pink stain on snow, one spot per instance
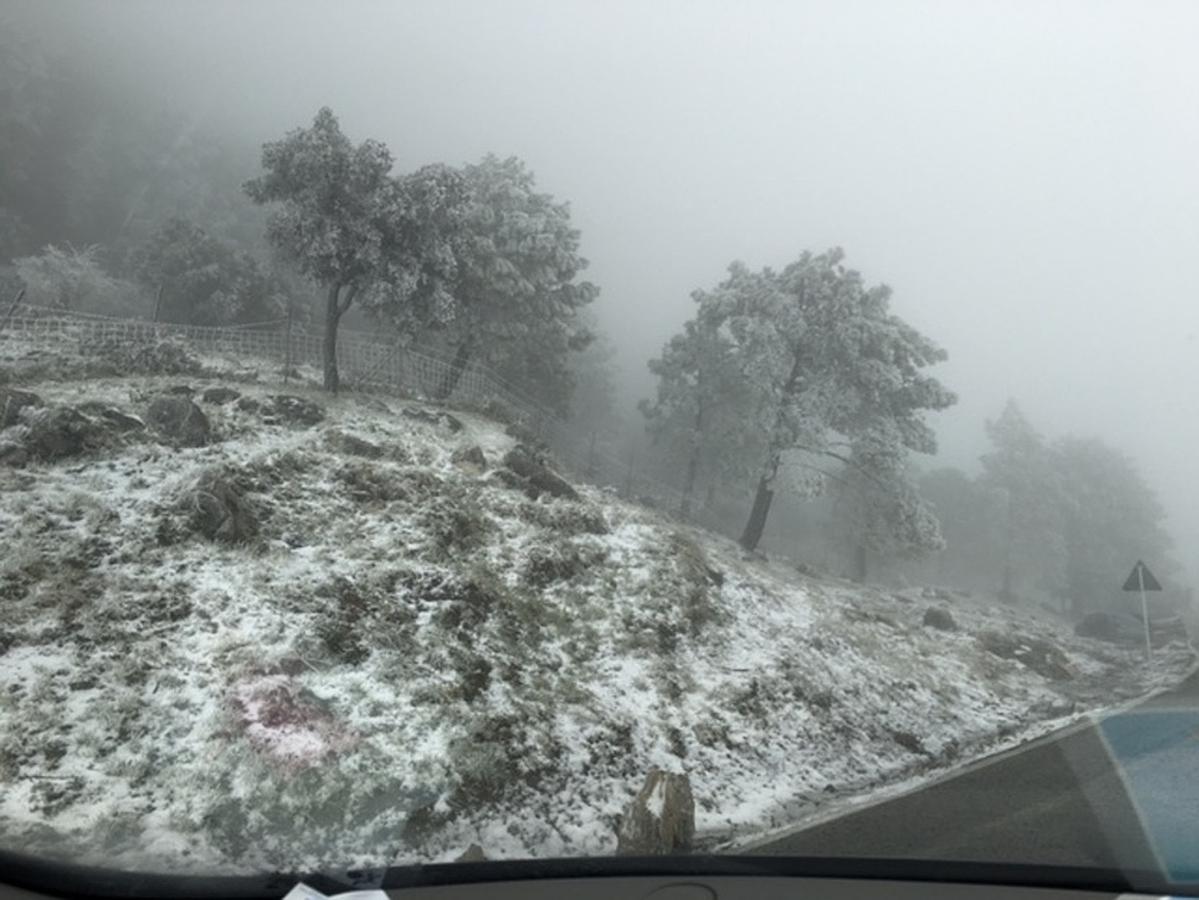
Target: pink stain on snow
(285, 724)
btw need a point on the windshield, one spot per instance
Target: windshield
(434, 432)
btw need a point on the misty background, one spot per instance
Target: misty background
(1021, 174)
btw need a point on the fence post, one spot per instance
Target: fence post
(628, 478)
(12, 309)
(287, 343)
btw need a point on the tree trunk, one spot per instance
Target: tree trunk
(692, 463)
(757, 516)
(333, 313)
(1005, 593)
(859, 564)
(457, 368)
(689, 483)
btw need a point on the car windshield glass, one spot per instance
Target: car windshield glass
(434, 432)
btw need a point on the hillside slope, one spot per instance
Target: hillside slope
(351, 632)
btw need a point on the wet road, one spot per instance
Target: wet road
(1121, 794)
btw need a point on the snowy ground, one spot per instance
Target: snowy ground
(410, 656)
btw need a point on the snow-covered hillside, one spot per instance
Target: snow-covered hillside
(362, 631)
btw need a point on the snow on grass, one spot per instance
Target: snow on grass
(410, 657)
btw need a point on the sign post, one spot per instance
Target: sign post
(1141, 580)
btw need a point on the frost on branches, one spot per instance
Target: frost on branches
(827, 382)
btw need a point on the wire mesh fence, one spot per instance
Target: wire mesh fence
(279, 352)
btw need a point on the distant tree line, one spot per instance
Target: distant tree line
(1060, 520)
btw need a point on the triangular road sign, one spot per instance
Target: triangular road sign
(1142, 579)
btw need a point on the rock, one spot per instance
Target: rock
(547, 565)
(179, 420)
(471, 456)
(522, 434)
(1038, 654)
(1112, 628)
(12, 401)
(473, 853)
(908, 741)
(12, 454)
(352, 445)
(661, 818)
(111, 416)
(430, 417)
(536, 477)
(60, 431)
(220, 395)
(182, 390)
(935, 617)
(218, 511)
(294, 410)
(248, 404)
(121, 421)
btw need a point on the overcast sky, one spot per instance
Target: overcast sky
(1023, 174)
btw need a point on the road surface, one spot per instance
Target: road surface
(1119, 794)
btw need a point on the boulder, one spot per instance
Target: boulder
(294, 410)
(908, 741)
(473, 853)
(352, 445)
(13, 454)
(470, 456)
(934, 593)
(1116, 629)
(181, 390)
(112, 417)
(248, 404)
(936, 617)
(661, 818)
(536, 477)
(218, 511)
(178, 420)
(12, 401)
(522, 433)
(220, 395)
(1038, 654)
(60, 431)
(432, 417)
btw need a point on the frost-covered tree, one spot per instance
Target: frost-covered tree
(338, 216)
(884, 512)
(700, 406)
(1020, 468)
(970, 516)
(517, 295)
(1110, 518)
(593, 404)
(69, 278)
(829, 367)
(200, 280)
